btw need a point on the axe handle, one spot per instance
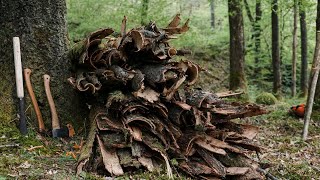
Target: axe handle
(27, 74)
(54, 115)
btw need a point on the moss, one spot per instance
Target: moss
(266, 98)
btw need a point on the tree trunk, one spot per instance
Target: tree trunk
(317, 93)
(144, 12)
(41, 26)
(304, 51)
(313, 83)
(257, 34)
(294, 49)
(237, 74)
(275, 49)
(212, 13)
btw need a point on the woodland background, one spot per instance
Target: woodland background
(209, 41)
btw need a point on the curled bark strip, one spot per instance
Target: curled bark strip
(106, 122)
(175, 21)
(198, 98)
(137, 81)
(124, 26)
(217, 167)
(138, 39)
(110, 159)
(100, 34)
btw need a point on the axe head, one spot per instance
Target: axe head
(66, 131)
(62, 132)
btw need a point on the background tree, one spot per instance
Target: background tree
(144, 12)
(275, 49)
(212, 22)
(294, 48)
(255, 23)
(237, 74)
(314, 74)
(41, 26)
(304, 49)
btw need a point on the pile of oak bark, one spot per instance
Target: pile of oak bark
(146, 115)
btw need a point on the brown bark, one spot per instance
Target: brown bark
(237, 74)
(275, 49)
(304, 51)
(294, 50)
(41, 26)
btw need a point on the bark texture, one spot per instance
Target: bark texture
(275, 49)
(304, 50)
(294, 50)
(237, 74)
(41, 26)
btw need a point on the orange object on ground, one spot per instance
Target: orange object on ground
(298, 110)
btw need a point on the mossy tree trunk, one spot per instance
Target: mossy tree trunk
(304, 50)
(41, 26)
(237, 74)
(275, 49)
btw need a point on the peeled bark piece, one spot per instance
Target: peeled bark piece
(235, 110)
(114, 139)
(126, 159)
(87, 149)
(186, 142)
(156, 146)
(147, 94)
(106, 122)
(175, 21)
(146, 162)
(245, 143)
(207, 146)
(198, 97)
(231, 171)
(137, 81)
(135, 133)
(212, 162)
(124, 26)
(220, 144)
(138, 39)
(196, 168)
(178, 30)
(110, 159)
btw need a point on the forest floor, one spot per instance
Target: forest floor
(33, 157)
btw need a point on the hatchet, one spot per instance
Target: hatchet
(57, 131)
(19, 85)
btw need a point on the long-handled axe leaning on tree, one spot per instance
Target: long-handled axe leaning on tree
(19, 85)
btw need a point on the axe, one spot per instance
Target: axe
(57, 131)
(19, 85)
(27, 74)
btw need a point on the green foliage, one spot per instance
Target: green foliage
(266, 98)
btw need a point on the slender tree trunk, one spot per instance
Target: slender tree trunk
(317, 94)
(212, 13)
(304, 51)
(275, 49)
(257, 36)
(144, 12)
(294, 49)
(237, 74)
(313, 83)
(41, 26)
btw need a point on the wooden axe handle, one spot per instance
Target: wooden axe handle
(54, 115)
(27, 74)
